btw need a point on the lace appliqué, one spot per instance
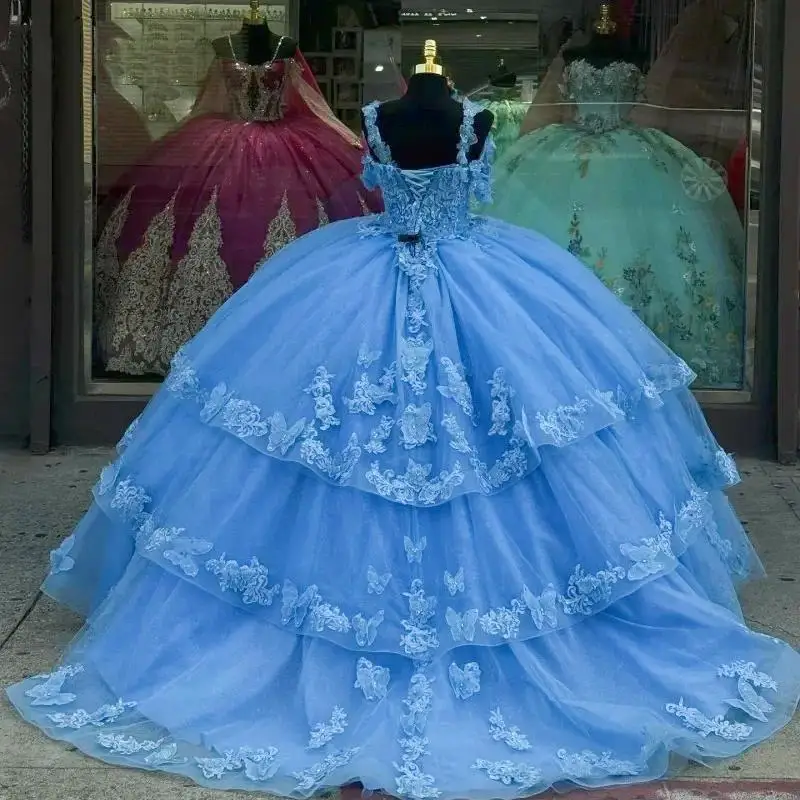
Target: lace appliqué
(49, 692)
(584, 593)
(457, 388)
(414, 486)
(521, 776)
(588, 764)
(323, 732)
(604, 96)
(297, 606)
(417, 485)
(512, 463)
(160, 752)
(81, 718)
(318, 774)
(320, 389)
(257, 765)
(416, 428)
(367, 396)
(379, 148)
(509, 734)
(411, 781)
(379, 436)
(501, 410)
(419, 636)
(749, 701)
(250, 581)
(415, 352)
(373, 680)
(107, 269)
(587, 592)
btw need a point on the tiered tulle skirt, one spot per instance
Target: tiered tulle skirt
(329, 552)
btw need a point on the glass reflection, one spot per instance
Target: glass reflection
(215, 147)
(622, 135)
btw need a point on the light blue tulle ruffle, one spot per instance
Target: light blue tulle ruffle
(437, 514)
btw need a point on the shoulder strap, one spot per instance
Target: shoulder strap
(467, 136)
(379, 148)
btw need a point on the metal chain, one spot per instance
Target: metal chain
(25, 128)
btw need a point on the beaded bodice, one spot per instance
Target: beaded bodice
(431, 203)
(604, 96)
(257, 91)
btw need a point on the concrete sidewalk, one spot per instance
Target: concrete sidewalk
(41, 498)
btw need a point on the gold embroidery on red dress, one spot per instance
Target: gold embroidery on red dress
(107, 267)
(281, 230)
(135, 319)
(200, 284)
(322, 214)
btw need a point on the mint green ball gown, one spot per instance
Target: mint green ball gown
(652, 219)
(509, 112)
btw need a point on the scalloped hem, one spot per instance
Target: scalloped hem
(447, 763)
(122, 527)
(269, 433)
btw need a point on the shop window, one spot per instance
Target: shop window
(628, 133)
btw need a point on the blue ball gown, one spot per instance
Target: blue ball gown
(424, 506)
(652, 219)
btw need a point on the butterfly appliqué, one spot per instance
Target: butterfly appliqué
(750, 701)
(454, 583)
(295, 605)
(414, 550)
(543, 608)
(366, 629)
(367, 357)
(462, 626)
(281, 436)
(181, 554)
(466, 680)
(376, 582)
(372, 679)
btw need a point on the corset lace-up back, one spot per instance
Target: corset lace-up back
(431, 203)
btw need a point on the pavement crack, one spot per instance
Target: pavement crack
(20, 620)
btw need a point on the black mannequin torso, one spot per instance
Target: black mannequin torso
(604, 49)
(502, 77)
(254, 44)
(422, 128)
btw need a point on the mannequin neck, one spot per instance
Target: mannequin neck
(428, 89)
(256, 42)
(257, 31)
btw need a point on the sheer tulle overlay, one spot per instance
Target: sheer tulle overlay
(425, 507)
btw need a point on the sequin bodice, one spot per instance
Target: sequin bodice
(257, 91)
(434, 203)
(603, 96)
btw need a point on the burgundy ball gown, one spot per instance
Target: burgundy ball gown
(260, 161)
